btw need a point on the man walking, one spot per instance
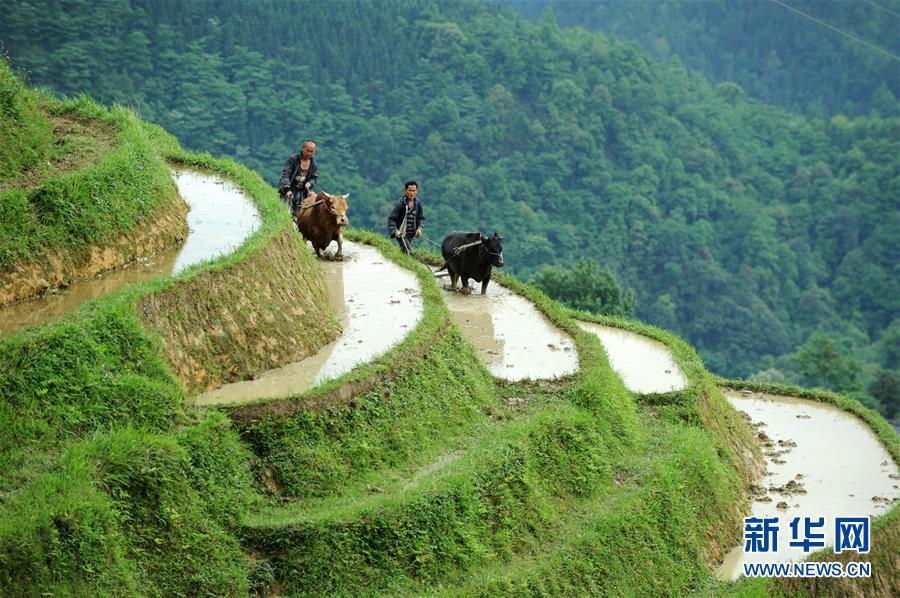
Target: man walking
(298, 176)
(407, 218)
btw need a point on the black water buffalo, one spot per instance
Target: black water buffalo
(471, 255)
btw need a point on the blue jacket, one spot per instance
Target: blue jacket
(397, 218)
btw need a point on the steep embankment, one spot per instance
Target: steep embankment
(108, 485)
(417, 472)
(859, 426)
(82, 191)
(223, 326)
(428, 479)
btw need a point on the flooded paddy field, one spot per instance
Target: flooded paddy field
(820, 462)
(645, 365)
(220, 219)
(512, 337)
(377, 304)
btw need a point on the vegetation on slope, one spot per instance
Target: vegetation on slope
(71, 211)
(25, 134)
(743, 228)
(109, 485)
(430, 477)
(127, 496)
(97, 493)
(103, 198)
(429, 481)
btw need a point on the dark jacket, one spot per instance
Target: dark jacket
(291, 171)
(397, 219)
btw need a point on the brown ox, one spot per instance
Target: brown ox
(321, 220)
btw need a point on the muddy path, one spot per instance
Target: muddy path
(512, 337)
(820, 462)
(377, 303)
(645, 365)
(220, 219)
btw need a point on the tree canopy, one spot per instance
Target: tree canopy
(814, 56)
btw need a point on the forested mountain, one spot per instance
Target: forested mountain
(756, 233)
(814, 56)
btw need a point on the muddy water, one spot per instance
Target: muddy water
(220, 219)
(377, 302)
(837, 468)
(513, 338)
(645, 365)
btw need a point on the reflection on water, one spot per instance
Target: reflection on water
(820, 461)
(31, 313)
(645, 365)
(221, 218)
(377, 302)
(514, 339)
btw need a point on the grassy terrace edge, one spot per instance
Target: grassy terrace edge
(336, 392)
(88, 220)
(595, 388)
(25, 136)
(205, 448)
(595, 375)
(235, 287)
(474, 504)
(108, 483)
(702, 404)
(885, 527)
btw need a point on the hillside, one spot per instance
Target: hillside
(811, 56)
(81, 192)
(417, 472)
(753, 232)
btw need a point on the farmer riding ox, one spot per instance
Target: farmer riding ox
(471, 255)
(321, 219)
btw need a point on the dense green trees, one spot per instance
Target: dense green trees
(807, 62)
(585, 287)
(742, 227)
(886, 390)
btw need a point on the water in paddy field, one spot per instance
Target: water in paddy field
(377, 303)
(221, 218)
(512, 337)
(645, 365)
(821, 462)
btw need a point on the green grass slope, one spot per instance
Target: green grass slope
(415, 473)
(25, 135)
(109, 485)
(428, 480)
(82, 189)
(71, 212)
(432, 480)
